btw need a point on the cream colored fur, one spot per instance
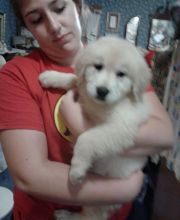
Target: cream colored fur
(112, 77)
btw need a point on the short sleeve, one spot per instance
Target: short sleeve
(18, 108)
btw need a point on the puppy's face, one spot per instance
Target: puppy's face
(108, 71)
(106, 83)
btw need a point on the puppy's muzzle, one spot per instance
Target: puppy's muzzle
(102, 92)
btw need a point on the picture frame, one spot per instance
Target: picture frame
(112, 23)
(2, 26)
(161, 35)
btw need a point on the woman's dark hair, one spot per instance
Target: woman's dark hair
(17, 8)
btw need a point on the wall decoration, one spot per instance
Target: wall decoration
(131, 29)
(161, 35)
(2, 26)
(112, 23)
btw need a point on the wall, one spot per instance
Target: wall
(10, 28)
(127, 10)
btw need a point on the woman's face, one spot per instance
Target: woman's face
(55, 25)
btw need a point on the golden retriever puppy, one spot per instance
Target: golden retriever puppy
(111, 79)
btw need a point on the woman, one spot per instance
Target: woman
(38, 156)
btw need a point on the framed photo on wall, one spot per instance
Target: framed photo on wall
(161, 35)
(2, 26)
(112, 23)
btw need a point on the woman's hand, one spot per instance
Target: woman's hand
(72, 114)
(156, 134)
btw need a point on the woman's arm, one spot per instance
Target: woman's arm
(153, 136)
(27, 158)
(156, 134)
(76, 122)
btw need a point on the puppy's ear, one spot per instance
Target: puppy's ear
(81, 64)
(141, 79)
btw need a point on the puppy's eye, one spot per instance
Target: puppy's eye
(120, 74)
(98, 66)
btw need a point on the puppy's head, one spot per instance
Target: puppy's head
(110, 69)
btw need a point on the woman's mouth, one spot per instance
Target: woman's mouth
(62, 39)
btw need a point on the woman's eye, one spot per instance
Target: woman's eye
(59, 10)
(36, 21)
(120, 74)
(98, 66)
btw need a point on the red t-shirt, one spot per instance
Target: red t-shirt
(26, 105)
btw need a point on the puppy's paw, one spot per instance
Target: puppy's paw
(48, 79)
(57, 80)
(76, 175)
(62, 215)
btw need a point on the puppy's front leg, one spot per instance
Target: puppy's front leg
(94, 144)
(57, 80)
(82, 159)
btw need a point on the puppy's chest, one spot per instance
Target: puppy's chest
(100, 117)
(124, 113)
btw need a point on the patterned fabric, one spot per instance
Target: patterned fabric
(172, 103)
(160, 68)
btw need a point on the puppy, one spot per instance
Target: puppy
(112, 77)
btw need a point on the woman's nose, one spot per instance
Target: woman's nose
(54, 26)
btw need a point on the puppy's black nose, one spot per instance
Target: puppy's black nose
(102, 92)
